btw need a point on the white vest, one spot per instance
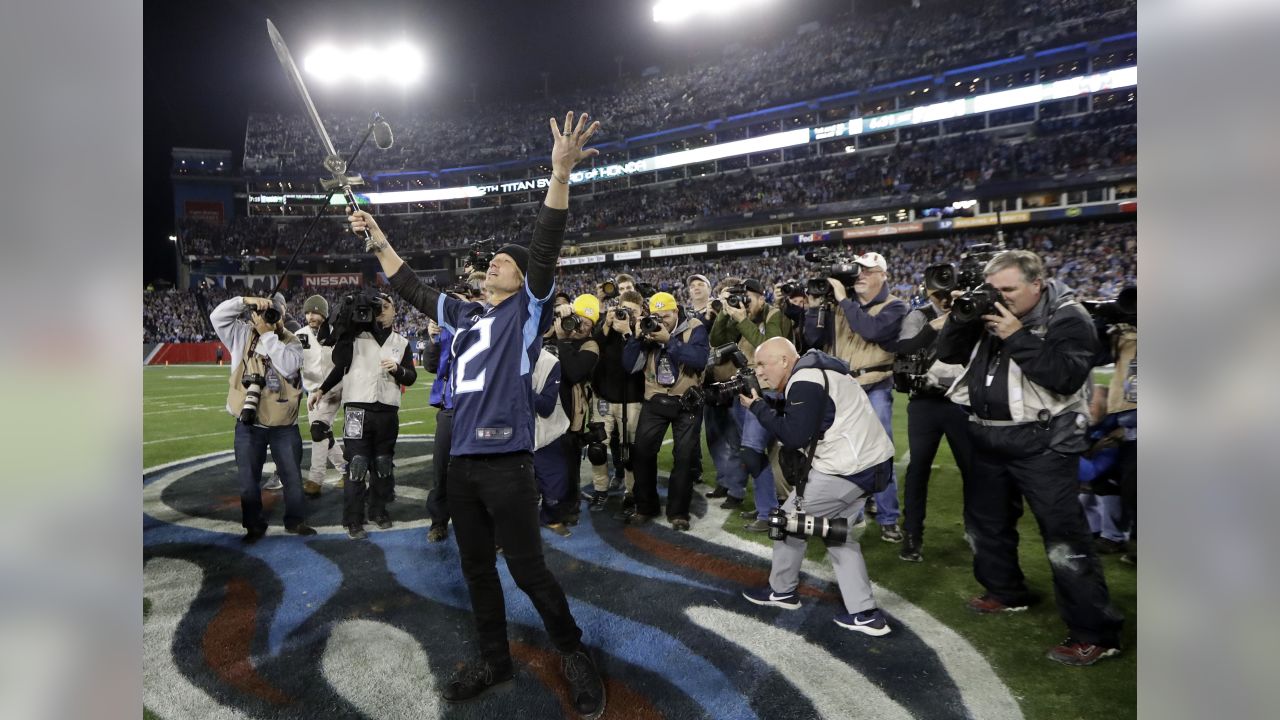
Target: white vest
(856, 440)
(366, 381)
(1026, 399)
(547, 429)
(317, 361)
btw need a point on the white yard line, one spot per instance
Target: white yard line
(188, 437)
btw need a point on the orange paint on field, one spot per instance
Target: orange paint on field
(709, 564)
(621, 702)
(228, 643)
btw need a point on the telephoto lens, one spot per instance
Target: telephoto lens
(972, 305)
(253, 394)
(570, 323)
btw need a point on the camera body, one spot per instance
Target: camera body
(737, 297)
(650, 324)
(979, 298)
(571, 323)
(595, 438)
(791, 288)
(743, 382)
(830, 265)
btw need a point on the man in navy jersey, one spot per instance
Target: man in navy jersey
(492, 494)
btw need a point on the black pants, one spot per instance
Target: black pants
(929, 418)
(370, 445)
(656, 415)
(1128, 463)
(493, 499)
(571, 445)
(437, 496)
(1012, 463)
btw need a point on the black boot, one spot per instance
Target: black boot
(586, 689)
(910, 549)
(474, 679)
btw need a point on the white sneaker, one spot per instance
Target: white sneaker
(274, 483)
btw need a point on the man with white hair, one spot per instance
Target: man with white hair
(846, 454)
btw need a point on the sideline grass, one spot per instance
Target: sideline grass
(183, 416)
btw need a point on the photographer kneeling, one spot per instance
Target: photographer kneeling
(847, 459)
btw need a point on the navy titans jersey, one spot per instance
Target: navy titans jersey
(494, 352)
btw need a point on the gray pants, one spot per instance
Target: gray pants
(830, 497)
(326, 451)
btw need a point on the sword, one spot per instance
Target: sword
(333, 162)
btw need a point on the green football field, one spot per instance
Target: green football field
(183, 416)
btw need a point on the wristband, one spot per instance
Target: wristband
(557, 177)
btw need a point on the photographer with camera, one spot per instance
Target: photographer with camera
(618, 394)
(930, 415)
(264, 395)
(748, 321)
(671, 351)
(492, 492)
(865, 337)
(317, 363)
(1117, 322)
(722, 417)
(838, 454)
(372, 362)
(1028, 355)
(579, 352)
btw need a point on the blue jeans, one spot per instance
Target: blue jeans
(756, 437)
(724, 435)
(251, 445)
(887, 499)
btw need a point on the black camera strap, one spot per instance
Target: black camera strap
(802, 478)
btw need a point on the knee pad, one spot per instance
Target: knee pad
(753, 460)
(358, 469)
(384, 466)
(321, 431)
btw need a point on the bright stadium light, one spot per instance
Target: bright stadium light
(674, 11)
(399, 64)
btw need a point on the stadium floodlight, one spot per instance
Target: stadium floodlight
(398, 64)
(674, 11)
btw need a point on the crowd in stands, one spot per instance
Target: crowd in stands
(846, 53)
(1095, 259)
(1097, 140)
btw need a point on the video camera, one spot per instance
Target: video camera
(482, 251)
(839, 267)
(355, 314)
(743, 382)
(1121, 311)
(979, 298)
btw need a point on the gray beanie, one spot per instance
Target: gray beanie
(316, 304)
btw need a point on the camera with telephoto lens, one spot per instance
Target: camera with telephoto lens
(839, 267)
(608, 290)
(1121, 311)
(803, 526)
(595, 437)
(971, 306)
(743, 382)
(979, 298)
(270, 316)
(253, 383)
(650, 324)
(482, 251)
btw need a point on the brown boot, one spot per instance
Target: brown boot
(310, 488)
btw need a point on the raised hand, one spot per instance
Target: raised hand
(568, 149)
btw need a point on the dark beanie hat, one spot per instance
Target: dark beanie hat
(519, 253)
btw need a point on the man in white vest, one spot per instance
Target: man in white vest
(371, 368)
(549, 425)
(828, 417)
(1026, 384)
(264, 394)
(317, 363)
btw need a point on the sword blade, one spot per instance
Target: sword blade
(290, 69)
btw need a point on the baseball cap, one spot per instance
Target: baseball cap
(697, 276)
(587, 306)
(753, 285)
(872, 259)
(662, 301)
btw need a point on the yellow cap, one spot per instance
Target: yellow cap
(587, 306)
(661, 302)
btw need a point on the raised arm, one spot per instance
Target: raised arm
(548, 235)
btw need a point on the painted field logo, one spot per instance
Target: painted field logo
(329, 627)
